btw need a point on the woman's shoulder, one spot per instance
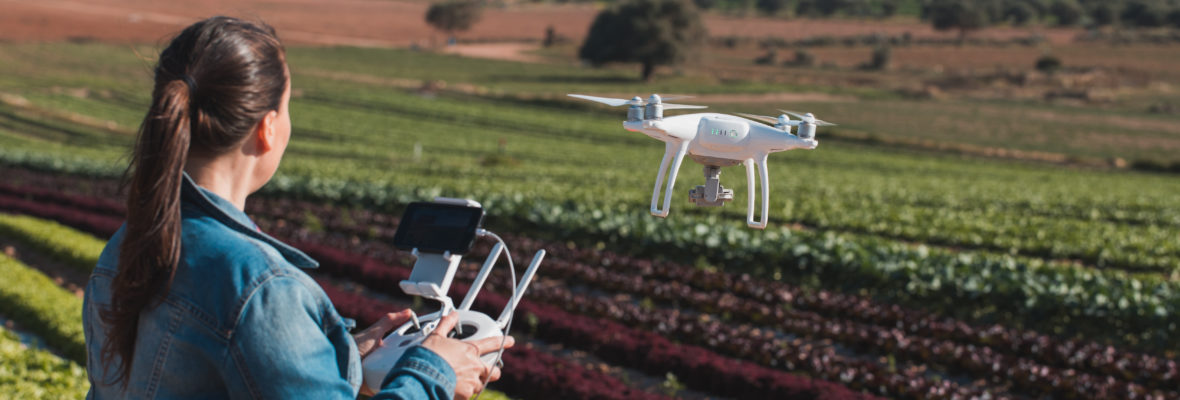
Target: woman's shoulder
(220, 268)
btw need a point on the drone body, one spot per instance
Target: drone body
(714, 140)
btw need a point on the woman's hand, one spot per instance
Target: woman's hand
(370, 339)
(463, 357)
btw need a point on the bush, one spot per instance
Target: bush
(803, 58)
(1048, 64)
(881, 60)
(1150, 165)
(770, 58)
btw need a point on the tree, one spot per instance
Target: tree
(1144, 13)
(889, 7)
(1102, 14)
(1067, 12)
(771, 7)
(964, 15)
(649, 32)
(453, 16)
(824, 8)
(1174, 17)
(1020, 13)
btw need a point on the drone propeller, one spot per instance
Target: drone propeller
(808, 118)
(763, 118)
(607, 100)
(681, 106)
(636, 101)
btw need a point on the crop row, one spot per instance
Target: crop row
(1071, 354)
(39, 305)
(749, 342)
(729, 376)
(528, 374)
(52, 313)
(31, 373)
(701, 369)
(763, 347)
(371, 277)
(1068, 354)
(1016, 291)
(760, 301)
(62, 243)
(1035, 292)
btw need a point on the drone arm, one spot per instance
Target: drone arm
(680, 150)
(765, 183)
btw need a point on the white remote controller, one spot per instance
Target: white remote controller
(438, 234)
(472, 326)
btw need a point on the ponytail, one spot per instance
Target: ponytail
(241, 71)
(151, 244)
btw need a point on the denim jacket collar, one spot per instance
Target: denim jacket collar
(225, 212)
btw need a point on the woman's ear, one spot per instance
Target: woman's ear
(265, 134)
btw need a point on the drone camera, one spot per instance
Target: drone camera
(711, 194)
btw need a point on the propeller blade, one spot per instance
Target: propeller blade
(604, 100)
(667, 98)
(794, 123)
(680, 106)
(763, 118)
(812, 119)
(794, 114)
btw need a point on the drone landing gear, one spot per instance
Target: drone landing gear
(712, 194)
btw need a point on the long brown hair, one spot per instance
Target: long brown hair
(214, 82)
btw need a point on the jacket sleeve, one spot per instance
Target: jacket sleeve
(283, 348)
(418, 374)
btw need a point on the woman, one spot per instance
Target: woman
(189, 299)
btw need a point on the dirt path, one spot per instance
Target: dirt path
(772, 98)
(498, 51)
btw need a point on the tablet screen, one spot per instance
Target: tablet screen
(437, 228)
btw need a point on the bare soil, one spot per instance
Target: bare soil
(388, 23)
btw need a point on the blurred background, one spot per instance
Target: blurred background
(995, 216)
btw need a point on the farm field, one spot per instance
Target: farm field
(956, 236)
(1003, 243)
(829, 335)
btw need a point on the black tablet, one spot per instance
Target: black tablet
(438, 228)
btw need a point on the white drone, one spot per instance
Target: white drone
(715, 141)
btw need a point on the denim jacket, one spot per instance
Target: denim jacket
(241, 321)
